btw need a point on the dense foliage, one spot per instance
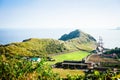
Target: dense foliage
(16, 68)
(116, 51)
(55, 47)
(20, 69)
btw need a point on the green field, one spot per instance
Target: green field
(77, 55)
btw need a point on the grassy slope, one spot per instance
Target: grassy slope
(82, 43)
(38, 47)
(34, 47)
(64, 72)
(78, 55)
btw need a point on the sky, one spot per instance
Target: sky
(15, 14)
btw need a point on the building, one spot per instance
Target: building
(73, 65)
(35, 59)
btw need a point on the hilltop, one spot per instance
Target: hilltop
(75, 40)
(76, 34)
(79, 40)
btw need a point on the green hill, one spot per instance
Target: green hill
(34, 47)
(79, 40)
(76, 40)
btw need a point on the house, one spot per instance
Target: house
(71, 65)
(109, 55)
(35, 59)
(74, 65)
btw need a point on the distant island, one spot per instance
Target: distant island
(117, 28)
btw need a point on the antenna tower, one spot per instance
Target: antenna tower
(100, 42)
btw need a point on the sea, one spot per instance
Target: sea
(111, 37)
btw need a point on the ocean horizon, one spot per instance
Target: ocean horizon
(110, 37)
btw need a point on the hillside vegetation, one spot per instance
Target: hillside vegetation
(75, 40)
(34, 47)
(20, 69)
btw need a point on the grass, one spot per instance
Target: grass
(77, 55)
(64, 72)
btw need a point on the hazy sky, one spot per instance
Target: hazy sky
(59, 13)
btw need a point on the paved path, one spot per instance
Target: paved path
(87, 58)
